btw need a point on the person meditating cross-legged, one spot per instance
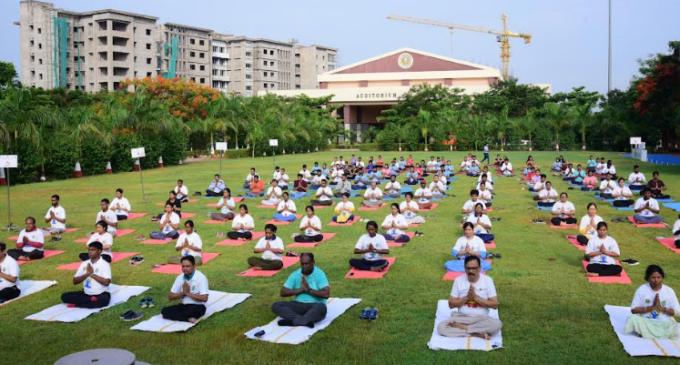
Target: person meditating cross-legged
(286, 209)
(469, 244)
(588, 227)
(657, 187)
(191, 286)
(563, 212)
(310, 287)
(323, 195)
(395, 224)
(473, 295)
(590, 182)
(481, 222)
(647, 209)
(189, 243)
(273, 196)
(373, 196)
(168, 225)
(602, 251)
(410, 210)
(622, 195)
(102, 236)
(423, 194)
(393, 188)
(547, 196)
(607, 187)
(653, 309)
(226, 206)
(636, 179)
(9, 276)
(242, 226)
(30, 244)
(310, 225)
(372, 246)
(344, 210)
(95, 274)
(216, 186)
(56, 217)
(271, 248)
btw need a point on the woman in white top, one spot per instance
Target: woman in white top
(602, 252)
(588, 228)
(271, 247)
(410, 210)
(653, 309)
(189, 243)
(310, 225)
(168, 225)
(467, 245)
(563, 212)
(547, 196)
(372, 246)
(242, 226)
(120, 205)
(226, 206)
(273, 196)
(622, 195)
(395, 224)
(100, 235)
(482, 223)
(344, 210)
(506, 168)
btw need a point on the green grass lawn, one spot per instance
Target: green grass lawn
(551, 314)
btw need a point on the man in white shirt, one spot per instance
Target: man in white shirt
(56, 217)
(547, 196)
(182, 191)
(469, 205)
(323, 195)
(647, 209)
(9, 276)
(607, 187)
(95, 274)
(249, 178)
(271, 249)
(538, 186)
(283, 179)
(485, 181)
(373, 196)
(286, 209)
(189, 243)
(506, 168)
(473, 295)
(316, 180)
(372, 246)
(485, 196)
(437, 188)
(120, 205)
(637, 180)
(393, 188)
(191, 286)
(273, 196)
(108, 216)
(432, 165)
(216, 187)
(423, 195)
(306, 175)
(30, 244)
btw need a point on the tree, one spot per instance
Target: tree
(425, 122)
(559, 117)
(584, 119)
(529, 125)
(8, 74)
(518, 98)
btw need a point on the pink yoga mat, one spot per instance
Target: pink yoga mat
(399, 244)
(283, 223)
(159, 242)
(120, 233)
(177, 269)
(489, 209)
(186, 216)
(230, 242)
(365, 274)
(117, 256)
(287, 262)
(372, 208)
(566, 226)
(655, 225)
(266, 206)
(491, 244)
(317, 207)
(356, 218)
(212, 221)
(434, 205)
(621, 279)
(47, 253)
(669, 242)
(326, 237)
(573, 241)
(190, 201)
(68, 230)
(132, 216)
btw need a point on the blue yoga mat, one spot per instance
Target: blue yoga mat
(543, 208)
(597, 196)
(621, 208)
(674, 206)
(669, 200)
(301, 197)
(406, 190)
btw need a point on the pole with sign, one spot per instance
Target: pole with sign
(138, 153)
(221, 146)
(7, 162)
(274, 143)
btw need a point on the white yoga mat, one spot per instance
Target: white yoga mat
(62, 313)
(217, 302)
(438, 342)
(637, 346)
(29, 287)
(297, 335)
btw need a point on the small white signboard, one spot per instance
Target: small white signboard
(635, 140)
(273, 142)
(221, 146)
(138, 152)
(8, 161)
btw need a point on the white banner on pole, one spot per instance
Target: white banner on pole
(138, 152)
(635, 140)
(221, 146)
(9, 161)
(273, 142)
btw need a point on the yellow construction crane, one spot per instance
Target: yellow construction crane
(502, 36)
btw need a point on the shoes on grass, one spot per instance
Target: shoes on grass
(131, 316)
(136, 260)
(147, 302)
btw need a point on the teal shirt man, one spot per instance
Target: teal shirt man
(316, 281)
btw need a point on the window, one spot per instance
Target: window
(148, 32)
(271, 85)
(265, 63)
(202, 55)
(30, 27)
(249, 54)
(192, 67)
(32, 43)
(202, 68)
(148, 61)
(247, 87)
(40, 61)
(192, 41)
(32, 58)
(39, 45)
(265, 85)
(148, 74)
(193, 79)
(201, 42)
(40, 76)
(272, 63)
(39, 31)
(248, 65)
(192, 54)
(148, 46)
(202, 80)
(264, 74)
(249, 76)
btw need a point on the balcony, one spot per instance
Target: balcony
(220, 55)
(219, 66)
(221, 78)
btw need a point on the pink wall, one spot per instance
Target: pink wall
(420, 63)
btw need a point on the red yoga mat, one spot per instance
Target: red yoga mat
(283, 223)
(68, 230)
(655, 225)
(317, 207)
(190, 201)
(117, 256)
(434, 205)
(669, 242)
(620, 279)
(365, 274)
(326, 237)
(566, 226)
(230, 242)
(491, 244)
(266, 206)
(373, 208)
(399, 244)
(356, 218)
(120, 233)
(159, 242)
(177, 269)
(287, 262)
(132, 216)
(47, 253)
(573, 241)
(186, 216)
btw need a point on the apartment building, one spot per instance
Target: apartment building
(189, 50)
(311, 61)
(220, 62)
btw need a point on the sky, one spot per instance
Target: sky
(568, 48)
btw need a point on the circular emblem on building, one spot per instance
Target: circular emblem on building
(405, 60)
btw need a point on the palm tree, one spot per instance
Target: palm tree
(425, 121)
(529, 125)
(584, 118)
(401, 130)
(559, 117)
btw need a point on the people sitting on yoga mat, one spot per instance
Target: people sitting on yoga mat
(647, 209)
(226, 206)
(473, 295)
(607, 187)
(610, 169)
(107, 215)
(567, 173)
(588, 227)
(344, 210)
(393, 188)
(168, 225)
(9, 276)
(311, 290)
(30, 244)
(249, 179)
(286, 209)
(547, 196)
(602, 251)
(323, 195)
(273, 196)
(310, 226)
(481, 222)
(423, 194)
(242, 226)
(95, 274)
(175, 204)
(506, 168)
(578, 175)
(485, 181)
(191, 286)
(121, 205)
(676, 232)
(100, 235)
(590, 182)
(563, 212)
(395, 224)
(654, 308)
(622, 195)
(410, 209)
(256, 188)
(271, 248)
(657, 187)
(300, 187)
(636, 179)
(438, 188)
(539, 187)
(344, 186)
(602, 164)
(56, 217)
(216, 186)
(469, 244)
(372, 246)
(469, 206)
(591, 163)
(189, 243)
(373, 196)
(283, 180)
